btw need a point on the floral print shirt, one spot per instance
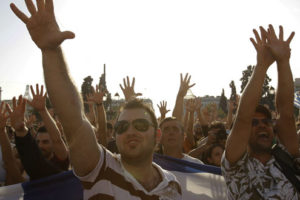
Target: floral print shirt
(249, 179)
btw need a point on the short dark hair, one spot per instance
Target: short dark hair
(42, 129)
(263, 110)
(138, 103)
(172, 119)
(109, 125)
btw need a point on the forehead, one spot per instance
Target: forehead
(170, 123)
(136, 113)
(259, 115)
(43, 136)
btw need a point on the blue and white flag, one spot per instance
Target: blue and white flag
(297, 99)
(197, 181)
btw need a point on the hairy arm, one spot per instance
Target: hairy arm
(237, 141)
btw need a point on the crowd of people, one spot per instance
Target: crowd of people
(114, 160)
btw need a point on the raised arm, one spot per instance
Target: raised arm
(39, 103)
(285, 91)
(13, 173)
(184, 87)
(237, 141)
(97, 98)
(191, 107)
(67, 102)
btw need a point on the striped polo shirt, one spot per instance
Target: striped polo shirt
(110, 180)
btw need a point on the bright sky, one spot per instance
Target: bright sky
(153, 40)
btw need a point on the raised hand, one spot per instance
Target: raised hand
(42, 25)
(163, 108)
(184, 84)
(38, 99)
(3, 116)
(16, 114)
(191, 105)
(264, 56)
(30, 120)
(279, 48)
(97, 95)
(128, 90)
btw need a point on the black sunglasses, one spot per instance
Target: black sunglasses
(266, 122)
(139, 124)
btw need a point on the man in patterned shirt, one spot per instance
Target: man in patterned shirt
(131, 176)
(247, 163)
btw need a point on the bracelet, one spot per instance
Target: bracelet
(99, 104)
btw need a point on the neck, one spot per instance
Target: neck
(144, 173)
(173, 152)
(263, 157)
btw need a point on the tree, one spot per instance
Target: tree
(86, 88)
(233, 96)
(268, 92)
(223, 102)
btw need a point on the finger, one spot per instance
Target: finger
(1, 107)
(181, 79)
(37, 89)
(23, 105)
(133, 82)
(272, 31)
(158, 106)
(280, 33)
(168, 111)
(128, 81)
(192, 85)
(124, 83)
(32, 91)
(189, 79)
(263, 33)
(20, 100)
(8, 109)
(42, 90)
(256, 36)
(18, 13)
(121, 88)
(254, 43)
(40, 5)
(14, 103)
(49, 6)
(97, 88)
(186, 76)
(290, 37)
(30, 7)
(138, 94)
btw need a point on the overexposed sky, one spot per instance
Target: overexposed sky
(153, 40)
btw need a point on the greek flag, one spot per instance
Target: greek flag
(197, 181)
(297, 99)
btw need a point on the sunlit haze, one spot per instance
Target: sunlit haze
(153, 41)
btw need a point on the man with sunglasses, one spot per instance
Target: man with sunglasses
(248, 166)
(132, 175)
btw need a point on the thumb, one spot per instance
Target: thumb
(67, 35)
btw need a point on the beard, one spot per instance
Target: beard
(143, 156)
(260, 148)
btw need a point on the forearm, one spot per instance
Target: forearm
(190, 129)
(91, 115)
(102, 129)
(198, 152)
(13, 173)
(229, 119)
(237, 142)
(201, 118)
(286, 128)
(285, 89)
(59, 146)
(178, 109)
(59, 86)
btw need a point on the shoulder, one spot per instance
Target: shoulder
(191, 159)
